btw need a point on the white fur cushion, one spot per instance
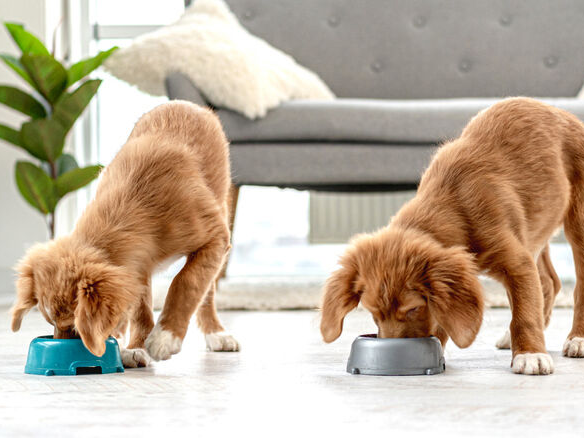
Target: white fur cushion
(229, 66)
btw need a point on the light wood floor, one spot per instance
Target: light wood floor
(286, 382)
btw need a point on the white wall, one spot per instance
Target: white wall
(20, 224)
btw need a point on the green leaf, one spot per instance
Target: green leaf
(15, 64)
(75, 179)
(65, 163)
(68, 109)
(82, 68)
(48, 75)
(10, 135)
(21, 101)
(15, 137)
(26, 41)
(43, 138)
(36, 187)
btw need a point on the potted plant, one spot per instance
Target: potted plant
(52, 108)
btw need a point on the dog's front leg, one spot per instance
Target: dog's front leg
(141, 324)
(184, 296)
(527, 324)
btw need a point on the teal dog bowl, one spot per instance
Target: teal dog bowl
(69, 357)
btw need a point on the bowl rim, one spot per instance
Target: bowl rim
(52, 338)
(373, 337)
(63, 340)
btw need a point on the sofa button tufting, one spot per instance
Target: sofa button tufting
(419, 21)
(464, 65)
(333, 21)
(505, 20)
(377, 66)
(248, 15)
(550, 61)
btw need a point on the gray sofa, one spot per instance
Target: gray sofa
(408, 74)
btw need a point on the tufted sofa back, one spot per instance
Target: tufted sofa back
(411, 49)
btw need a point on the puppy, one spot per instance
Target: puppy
(489, 202)
(164, 195)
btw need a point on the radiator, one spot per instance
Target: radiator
(335, 217)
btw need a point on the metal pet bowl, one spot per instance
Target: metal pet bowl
(69, 357)
(395, 356)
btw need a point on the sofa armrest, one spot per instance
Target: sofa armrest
(178, 86)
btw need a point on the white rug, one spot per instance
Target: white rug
(286, 293)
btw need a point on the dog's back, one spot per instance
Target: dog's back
(512, 161)
(183, 123)
(173, 168)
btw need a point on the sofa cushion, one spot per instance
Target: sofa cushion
(329, 166)
(230, 66)
(366, 120)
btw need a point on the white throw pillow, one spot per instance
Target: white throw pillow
(229, 66)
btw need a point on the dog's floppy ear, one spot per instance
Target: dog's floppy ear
(25, 294)
(104, 294)
(339, 298)
(455, 298)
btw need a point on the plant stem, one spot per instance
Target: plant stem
(51, 225)
(51, 216)
(53, 169)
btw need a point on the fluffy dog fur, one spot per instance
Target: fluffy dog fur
(489, 202)
(164, 195)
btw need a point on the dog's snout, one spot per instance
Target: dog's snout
(64, 334)
(402, 331)
(386, 331)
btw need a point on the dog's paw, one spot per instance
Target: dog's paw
(221, 341)
(533, 363)
(574, 347)
(135, 357)
(505, 342)
(161, 343)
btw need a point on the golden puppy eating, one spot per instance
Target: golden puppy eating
(164, 195)
(489, 202)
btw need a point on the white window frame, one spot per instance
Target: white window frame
(81, 35)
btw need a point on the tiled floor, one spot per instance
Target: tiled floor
(286, 382)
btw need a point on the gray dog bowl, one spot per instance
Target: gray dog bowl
(395, 356)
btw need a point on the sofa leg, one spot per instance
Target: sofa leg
(233, 198)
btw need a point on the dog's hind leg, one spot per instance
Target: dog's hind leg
(215, 336)
(550, 283)
(504, 342)
(574, 230)
(186, 292)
